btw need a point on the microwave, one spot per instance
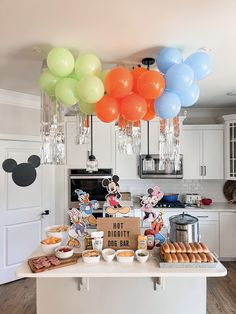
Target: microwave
(169, 171)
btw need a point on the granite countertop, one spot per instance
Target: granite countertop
(215, 206)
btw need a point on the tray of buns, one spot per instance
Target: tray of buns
(190, 255)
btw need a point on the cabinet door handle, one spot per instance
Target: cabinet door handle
(205, 172)
(201, 171)
(202, 216)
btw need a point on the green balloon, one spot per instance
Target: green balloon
(66, 91)
(87, 109)
(60, 62)
(87, 64)
(90, 89)
(47, 82)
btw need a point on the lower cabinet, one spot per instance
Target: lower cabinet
(228, 235)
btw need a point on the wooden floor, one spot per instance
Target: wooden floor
(19, 297)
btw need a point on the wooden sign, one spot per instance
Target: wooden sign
(119, 233)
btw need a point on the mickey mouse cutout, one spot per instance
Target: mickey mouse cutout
(23, 174)
(113, 197)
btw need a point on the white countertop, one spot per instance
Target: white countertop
(115, 269)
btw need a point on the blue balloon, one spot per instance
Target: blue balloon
(201, 64)
(168, 57)
(189, 96)
(168, 105)
(179, 77)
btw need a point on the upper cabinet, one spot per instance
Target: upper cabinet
(103, 145)
(230, 147)
(202, 148)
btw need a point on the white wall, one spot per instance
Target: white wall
(19, 120)
(207, 188)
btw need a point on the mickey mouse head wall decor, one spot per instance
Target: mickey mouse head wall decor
(114, 197)
(23, 174)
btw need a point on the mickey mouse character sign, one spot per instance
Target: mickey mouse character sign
(23, 174)
(114, 197)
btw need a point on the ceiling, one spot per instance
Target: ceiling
(119, 32)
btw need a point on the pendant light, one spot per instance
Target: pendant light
(92, 163)
(148, 162)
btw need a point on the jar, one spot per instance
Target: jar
(88, 243)
(142, 242)
(150, 241)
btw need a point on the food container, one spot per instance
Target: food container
(170, 198)
(88, 243)
(64, 252)
(59, 231)
(49, 245)
(150, 241)
(108, 255)
(91, 256)
(206, 201)
(142, 255)
(125, 256)
(142, 242)
(184, 228)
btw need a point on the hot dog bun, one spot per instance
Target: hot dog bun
(194, 250)
(198, 247)
(192, 258)
(204, 248)
(172, 248)
(167, 258)
(210, 258)
(197, 258)
(174, 258)
(166, 248)
(182, 247)
(188, 248)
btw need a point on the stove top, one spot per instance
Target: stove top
(176, 204)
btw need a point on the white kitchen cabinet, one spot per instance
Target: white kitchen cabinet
(230, 147)
(202, 148)
(227, 234)
(103, 145)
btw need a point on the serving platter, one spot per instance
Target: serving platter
(63, 262)
(164, 264)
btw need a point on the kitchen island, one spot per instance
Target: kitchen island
(121, 288)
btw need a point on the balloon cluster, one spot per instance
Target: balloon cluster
(134, 95)
(181, 90)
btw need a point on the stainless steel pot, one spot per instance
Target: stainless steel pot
(184, 228)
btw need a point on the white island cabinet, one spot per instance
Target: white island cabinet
(116, 288)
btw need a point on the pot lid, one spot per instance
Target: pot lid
(183, 219)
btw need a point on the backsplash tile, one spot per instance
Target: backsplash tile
(206, 188)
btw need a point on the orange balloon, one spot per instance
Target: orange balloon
(118, 82)
(150, 114)
(107, 109)
(136, 74)
(151, 84)
(133, 107)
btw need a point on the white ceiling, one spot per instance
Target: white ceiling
(118, 31)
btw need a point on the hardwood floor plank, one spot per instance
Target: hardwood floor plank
(19, 297)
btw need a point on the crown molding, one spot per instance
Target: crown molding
(12, 98)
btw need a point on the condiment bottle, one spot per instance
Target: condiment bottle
(142, 242)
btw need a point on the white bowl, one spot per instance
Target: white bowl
(90, 259)
(50, 248)
(61, 254)
(142, 259)
(57, 234)
(108, 254)
(125, 259)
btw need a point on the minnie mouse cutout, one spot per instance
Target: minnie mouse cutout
(23, 174)
(113, 197)
(155, 221)
(149, 201)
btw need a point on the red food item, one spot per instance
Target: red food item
(64, 249)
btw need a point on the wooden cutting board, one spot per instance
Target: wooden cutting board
(64, 262)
